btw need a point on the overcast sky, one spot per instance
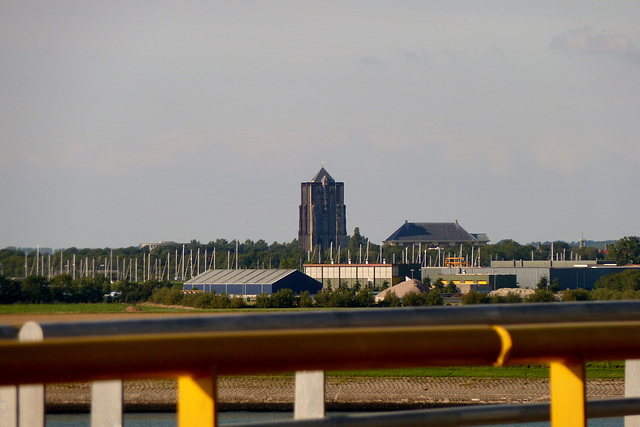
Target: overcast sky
(126, 122)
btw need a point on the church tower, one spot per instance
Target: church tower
(323, 215)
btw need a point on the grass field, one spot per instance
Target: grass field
(595, 370)
(78, 308)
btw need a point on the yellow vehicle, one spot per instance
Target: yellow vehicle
(456, 261)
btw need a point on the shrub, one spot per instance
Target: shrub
(541, 296)
(305, 300)
(364, 298)
(414, 299)
(392, 300)
(36, 290)
(512, 298)
(475, 297)
(9, 290)
(263, 301)
(434, 298)
(238, 302)
(576, 295)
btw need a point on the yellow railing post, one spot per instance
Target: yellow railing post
(568, 397)
(197, 404)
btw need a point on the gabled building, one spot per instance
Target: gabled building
(434, 234)
(250, 283)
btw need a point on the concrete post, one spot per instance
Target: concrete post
(8, 394)
(31, 403)
(9, 406)
(107, 404)
(309, 395)
(632, 388)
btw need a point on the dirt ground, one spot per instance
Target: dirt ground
(277, 392)
(342, 394)
(19, 319)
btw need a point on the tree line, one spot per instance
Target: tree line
(63, 289)
(182, 261)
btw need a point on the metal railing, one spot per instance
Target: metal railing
(197, 349)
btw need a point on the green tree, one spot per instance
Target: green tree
(392, 300)
(305, 300)
(626, 251)
(9, 291)
(323, 298)
(451, 288)
(589, 253)
(63, 289)
(434, 298)
(605, 294)
(221, 300)
(414, 299)
(512, 298)
(625, 280)
(288, 263)
(543, 283)
(284, 298)
(237, 301)
(36, 290)
(92, 289)
(475, 297)
(576, 295)
(541, 295)
(364, 298)
(263, 301)
(342, 297)
(356, 242)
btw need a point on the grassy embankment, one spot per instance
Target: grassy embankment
(599, 370)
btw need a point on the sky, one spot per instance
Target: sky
(128, 122)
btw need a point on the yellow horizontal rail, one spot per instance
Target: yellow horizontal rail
(138, 356)
(198, 357)
(589, 341)
(145, 356)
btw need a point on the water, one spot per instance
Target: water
(230, 418)
(164, 419)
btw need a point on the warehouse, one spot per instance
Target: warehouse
(350, 275)
(252, 282)
(568, 274)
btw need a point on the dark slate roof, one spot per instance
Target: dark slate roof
(322, 173)
(431, 232)
(240, 277)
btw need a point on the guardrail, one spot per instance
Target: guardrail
(331, 340)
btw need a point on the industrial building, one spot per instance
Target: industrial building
(569, 274)
(434, 234)
(478, 282)
(250, 283)
(376, 275)
(323, 214)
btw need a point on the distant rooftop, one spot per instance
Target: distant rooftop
(434, 233)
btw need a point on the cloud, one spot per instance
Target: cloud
(460, 151)
(586, 40)
(572, 154)
(412, 56)
(371, 61)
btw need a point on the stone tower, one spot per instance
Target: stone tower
(323, 215)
